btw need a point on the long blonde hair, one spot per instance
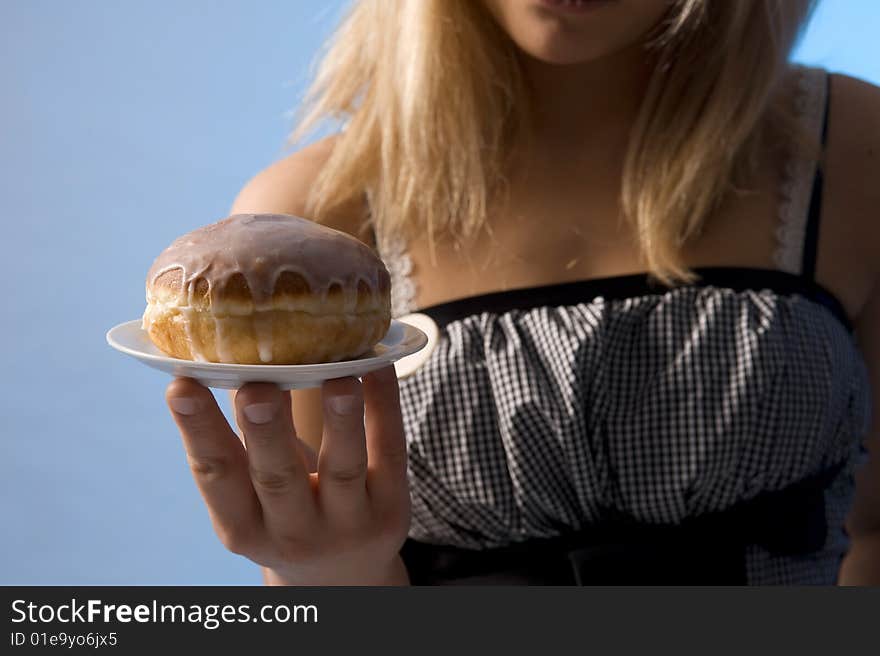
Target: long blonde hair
(433, 99)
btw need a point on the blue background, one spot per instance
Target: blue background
(124, 125)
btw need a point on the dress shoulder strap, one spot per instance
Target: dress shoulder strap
(814, 212)
(801, 193)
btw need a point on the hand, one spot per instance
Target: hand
(338, 518)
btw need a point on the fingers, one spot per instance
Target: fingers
(342, 460)
(310, 458)
(218, 462)
(276, 463)
(386, 445)
(306, 452)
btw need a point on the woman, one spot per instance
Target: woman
(646, 369)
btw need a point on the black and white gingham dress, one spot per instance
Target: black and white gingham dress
(539, 411)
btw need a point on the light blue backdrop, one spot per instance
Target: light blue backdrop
(123, 125)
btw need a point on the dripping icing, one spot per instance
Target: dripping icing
(260, 248)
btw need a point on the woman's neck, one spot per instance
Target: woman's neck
(577, 104)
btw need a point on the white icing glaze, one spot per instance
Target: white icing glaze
(260, 247)
(263, 330)
(222, 339)
(186, 314)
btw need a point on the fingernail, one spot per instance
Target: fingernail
(259, 413)
(344, 404)
(183, 405)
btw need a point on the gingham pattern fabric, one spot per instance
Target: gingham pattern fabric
(663, 406)
(531, 423)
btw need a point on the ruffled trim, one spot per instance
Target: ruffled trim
(393, 251)
(798, 173)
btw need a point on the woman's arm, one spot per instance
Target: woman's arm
(856, 130)
(862, 565)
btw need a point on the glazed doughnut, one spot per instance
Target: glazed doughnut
(267, 289)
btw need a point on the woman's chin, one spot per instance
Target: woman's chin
(564, 54)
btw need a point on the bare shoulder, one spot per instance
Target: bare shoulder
(849, 254)
(284, 188)
(853, 172)
(859, 101)
(856, 110)
(854, 155)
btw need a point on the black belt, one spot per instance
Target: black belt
(707, 549)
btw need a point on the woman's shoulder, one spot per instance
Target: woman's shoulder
(854, 130)
(854, 118)
(284, 187)
(849, 239)
(855, 104)
(853, 180)
(852, 166)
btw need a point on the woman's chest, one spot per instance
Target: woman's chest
(560, 225)
(690, 397)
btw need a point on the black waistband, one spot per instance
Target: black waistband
(633, 285)
(708, 549)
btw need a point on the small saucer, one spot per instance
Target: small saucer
(401, 340)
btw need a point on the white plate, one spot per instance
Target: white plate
(402, 339)
(406, 367)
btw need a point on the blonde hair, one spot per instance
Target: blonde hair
(433, 100)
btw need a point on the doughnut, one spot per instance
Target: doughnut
(267, 289)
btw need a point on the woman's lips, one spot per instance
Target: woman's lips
(575, 6)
